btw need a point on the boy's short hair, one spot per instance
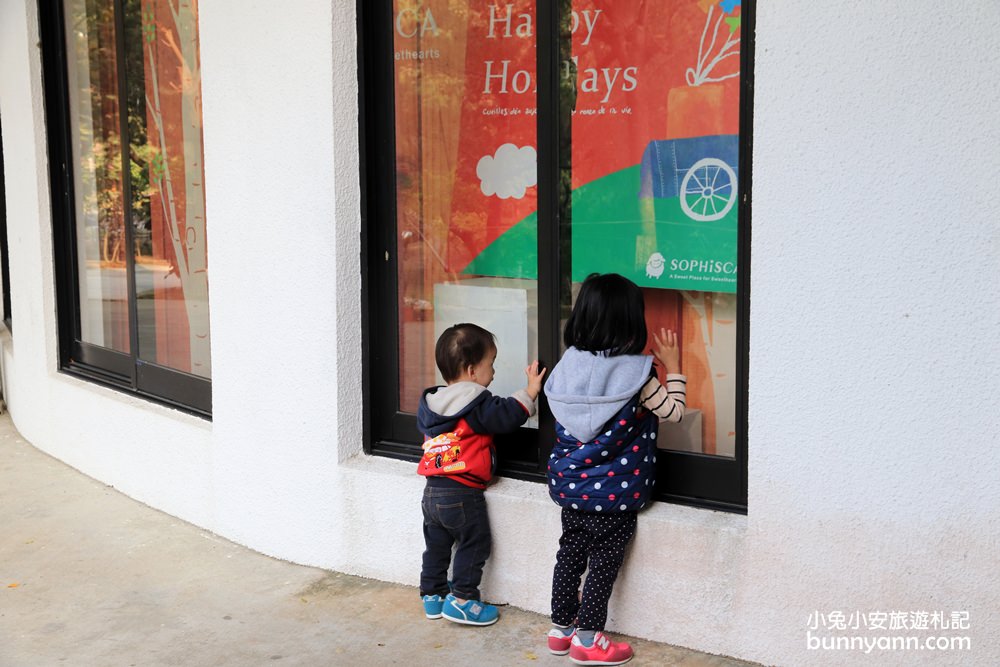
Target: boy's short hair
(461, 346)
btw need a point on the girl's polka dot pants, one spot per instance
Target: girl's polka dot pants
(600, 539)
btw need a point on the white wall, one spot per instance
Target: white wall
(874, 318)
(873, 409)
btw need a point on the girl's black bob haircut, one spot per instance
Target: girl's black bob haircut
(461, 346)
(609, 317)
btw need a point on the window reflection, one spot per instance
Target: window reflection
(163, 197)
(465, 177)
(98, 186)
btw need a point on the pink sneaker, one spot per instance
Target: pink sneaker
(559, 643)
(603, 652)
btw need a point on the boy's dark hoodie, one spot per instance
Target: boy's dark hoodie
(458, 422)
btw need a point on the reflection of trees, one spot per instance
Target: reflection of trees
(428, 103)
(185, 228)
(158, 161)
(92, 30)
(141, 154)
(101, 187)
(107, 200)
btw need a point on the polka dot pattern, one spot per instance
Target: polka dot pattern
(601, 540)
(581, 470)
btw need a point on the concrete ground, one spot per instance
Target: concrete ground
(90, 577)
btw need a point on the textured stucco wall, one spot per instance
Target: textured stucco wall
(873, 402)
(270, 182)
(874, 313)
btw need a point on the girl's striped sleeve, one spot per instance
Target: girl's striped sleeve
(667, 402)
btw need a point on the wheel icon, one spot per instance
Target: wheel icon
(708, 190)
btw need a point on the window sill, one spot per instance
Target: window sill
(660, 513)
(126, 397)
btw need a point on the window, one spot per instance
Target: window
(4, 253)
(531, 144)
(123, 97)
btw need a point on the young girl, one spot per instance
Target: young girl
(606, 400)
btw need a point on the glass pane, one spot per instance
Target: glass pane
(97, 172)
(163, 78)
(653, 173)
(466, 175)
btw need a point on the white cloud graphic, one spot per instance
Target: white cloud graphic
(509, 172)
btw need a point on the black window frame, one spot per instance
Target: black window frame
(125, 372)
(683, 477)
(4, 250)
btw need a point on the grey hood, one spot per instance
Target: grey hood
(452, 399)
(585, 390)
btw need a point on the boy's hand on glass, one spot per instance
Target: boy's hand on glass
(535, 376)
(667, 351)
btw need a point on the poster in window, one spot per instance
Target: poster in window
(654, 166)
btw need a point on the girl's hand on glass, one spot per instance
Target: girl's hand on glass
(666, 351)
(535, 376)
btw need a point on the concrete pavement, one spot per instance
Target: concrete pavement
(89, 577)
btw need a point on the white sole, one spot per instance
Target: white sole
(462, 621)
(556, 651)
(598, 662)
(433, 617)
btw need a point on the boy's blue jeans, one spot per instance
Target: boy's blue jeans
(454, 516)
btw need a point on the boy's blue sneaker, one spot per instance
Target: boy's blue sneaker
(432, 605)
(471, 612)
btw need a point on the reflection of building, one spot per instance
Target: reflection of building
(858, 498)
